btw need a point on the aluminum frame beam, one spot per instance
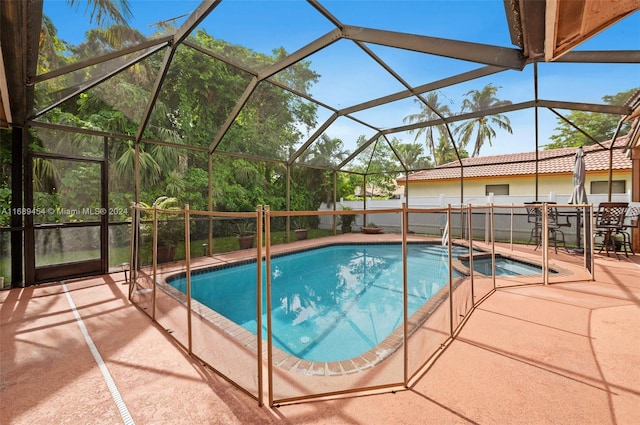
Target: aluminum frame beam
(463, 50)
(601, 56)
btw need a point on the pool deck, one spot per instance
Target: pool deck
(564, 353)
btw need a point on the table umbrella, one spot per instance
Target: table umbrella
(579, 194)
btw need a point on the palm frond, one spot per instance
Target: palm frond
(105, 11)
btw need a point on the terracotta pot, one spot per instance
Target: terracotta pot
(166, 254)
(372, 230)
(302, 234)
(245, 242)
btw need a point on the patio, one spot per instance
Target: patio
(563, 353)
(179, 110)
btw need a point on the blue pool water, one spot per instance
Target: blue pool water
(331, 303)
(505, 267)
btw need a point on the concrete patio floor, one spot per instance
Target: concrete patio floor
(567, 353)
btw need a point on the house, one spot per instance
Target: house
(515, 174)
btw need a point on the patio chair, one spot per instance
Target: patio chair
(553, 225)
(610, 223)
(556, 235)
(534, 217)
(631, 222)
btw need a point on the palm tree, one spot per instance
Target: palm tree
(445, 152)
(412, 155)
(326, 151)
(427, 113)
(106, 11)
(478, 101)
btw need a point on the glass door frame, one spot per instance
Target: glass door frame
(61, 271)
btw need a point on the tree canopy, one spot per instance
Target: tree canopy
(600, 127)
(198, 94)
(481, 127)
(430, 110)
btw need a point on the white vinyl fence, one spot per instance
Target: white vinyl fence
(391, 223)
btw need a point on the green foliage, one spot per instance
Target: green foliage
(346, 185)
(170, 227)
(120, 204)
(412, 155)
(316, 184)
(5, 175)
(193, 103)
(345, 221)
(600, 127)
(103, 12)
(480, 128)
(300, 222)
(432, 110)
(245, 227)
(375, 162)
(5, 203)
(325, 151)
(196, 183)
(446, 153)
(195, 99)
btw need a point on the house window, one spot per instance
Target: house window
(496, 189)
(617, 186)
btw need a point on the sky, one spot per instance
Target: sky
(349, 76)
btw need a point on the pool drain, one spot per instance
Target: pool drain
(305, 339)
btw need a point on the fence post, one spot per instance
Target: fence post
(450, 252)
(405, 291)
(267, 255)
(259, 228)
(591, 243)
(133, 249)
(469, 225)
(545, 244)
(493, 246)
(187, 264)
(154, 261)
(511, 229)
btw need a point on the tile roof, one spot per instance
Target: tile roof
(553, 161)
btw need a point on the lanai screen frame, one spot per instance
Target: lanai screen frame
(490, 59)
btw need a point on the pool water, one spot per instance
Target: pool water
(331, 303)
(505, 267)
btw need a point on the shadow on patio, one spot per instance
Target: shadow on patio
(563, 353)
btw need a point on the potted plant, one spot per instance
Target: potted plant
(169, 233)
(300, 225)
(618, 242)
(245, 232)
(346, 220)
(371, 228)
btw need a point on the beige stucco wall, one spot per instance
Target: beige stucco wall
(518, 185)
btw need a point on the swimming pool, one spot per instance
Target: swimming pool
(505, 266)
(330, 303)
